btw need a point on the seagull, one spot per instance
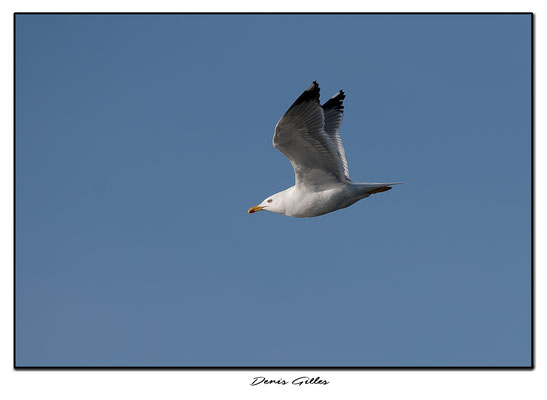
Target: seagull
(309, 136)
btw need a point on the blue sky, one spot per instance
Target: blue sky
(142, 140)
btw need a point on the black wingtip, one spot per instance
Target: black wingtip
(335, 101)
(310, 94)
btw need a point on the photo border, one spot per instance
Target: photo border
(291, 368)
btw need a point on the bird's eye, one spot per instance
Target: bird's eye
(269, 201)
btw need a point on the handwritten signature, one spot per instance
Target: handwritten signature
(303, 380)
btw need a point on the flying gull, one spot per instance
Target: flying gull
(309, 136)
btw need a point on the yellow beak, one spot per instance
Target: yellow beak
(254, 209)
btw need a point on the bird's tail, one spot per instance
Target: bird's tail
(373, 187)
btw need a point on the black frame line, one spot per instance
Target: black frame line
(278, 13)
(293, 368)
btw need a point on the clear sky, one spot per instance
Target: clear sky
(142, 140)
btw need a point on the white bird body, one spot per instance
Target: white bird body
(309, 136)
(308, 203)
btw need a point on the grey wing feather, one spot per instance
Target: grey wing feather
(334, 113)
(300, 135)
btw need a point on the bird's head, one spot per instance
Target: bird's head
(274, 203)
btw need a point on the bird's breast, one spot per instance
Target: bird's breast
(312, 204)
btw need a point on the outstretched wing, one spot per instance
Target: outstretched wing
(300, 135)
(334, 113)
